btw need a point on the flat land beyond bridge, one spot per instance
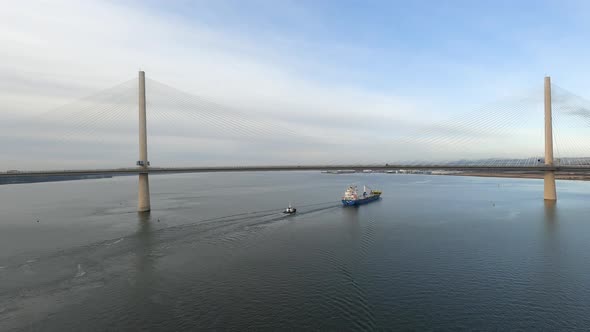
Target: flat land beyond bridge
(526, 175)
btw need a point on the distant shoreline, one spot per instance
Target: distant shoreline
(51, 178)
(517, 175)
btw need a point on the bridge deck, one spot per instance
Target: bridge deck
(155, 170)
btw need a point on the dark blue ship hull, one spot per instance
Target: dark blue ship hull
(360, 201)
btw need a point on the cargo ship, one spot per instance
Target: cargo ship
(352, 198)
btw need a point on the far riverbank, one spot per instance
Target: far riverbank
(525, 175)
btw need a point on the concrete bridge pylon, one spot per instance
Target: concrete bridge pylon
(143, 201)
(549, 193)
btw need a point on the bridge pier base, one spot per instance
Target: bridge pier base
(549, 193)
(143, 199)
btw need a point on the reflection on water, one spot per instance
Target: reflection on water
(549, 278)
(351, 212)
(351, 220)
(144, 280)
(550, 213)
(144, 247)
(551, 226)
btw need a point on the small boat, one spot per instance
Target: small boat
(290, 210)
(351, 197)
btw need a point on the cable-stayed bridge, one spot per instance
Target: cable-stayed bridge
(205, 136)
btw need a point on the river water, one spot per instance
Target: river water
(436, 252)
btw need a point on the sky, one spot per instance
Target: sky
(346, 69)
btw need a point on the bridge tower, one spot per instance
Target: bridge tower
(143, 201)
(549, 192)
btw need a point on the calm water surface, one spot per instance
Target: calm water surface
(437, 252)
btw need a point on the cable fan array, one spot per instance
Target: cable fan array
(186, 129)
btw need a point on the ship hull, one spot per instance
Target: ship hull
(360, 201)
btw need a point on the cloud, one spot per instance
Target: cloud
(58, 51)
(282, 95)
